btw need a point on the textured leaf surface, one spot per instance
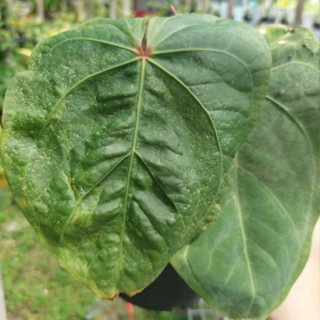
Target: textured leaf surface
(246, 263)
(117, 139)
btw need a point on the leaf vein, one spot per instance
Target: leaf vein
(204, 109)
(93, 40)
(133, 147)
(161, 187)
(75, 207)
(294, 62)
(276, 199)
(284, 109)
(243, 234)
(82, 81)
(58, 103)
(301, 128)
(177, 31)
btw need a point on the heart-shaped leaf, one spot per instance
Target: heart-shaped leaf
(246, 263)
(117, 139)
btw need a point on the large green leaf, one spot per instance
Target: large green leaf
(117, 139)
(246, 263)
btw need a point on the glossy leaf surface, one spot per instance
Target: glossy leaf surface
(117, 139)
(245, 264)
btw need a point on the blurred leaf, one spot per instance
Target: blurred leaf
(245, 265)
(24, 51)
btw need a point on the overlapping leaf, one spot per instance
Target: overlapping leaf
(117, 139)
(246, 263)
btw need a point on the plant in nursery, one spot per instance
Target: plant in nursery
(119, 140)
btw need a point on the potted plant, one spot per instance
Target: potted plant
(168, 291)
(129, 144)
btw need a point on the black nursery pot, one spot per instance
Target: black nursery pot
(166, 292)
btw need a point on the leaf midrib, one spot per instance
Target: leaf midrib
(236, 198)
(132, 155)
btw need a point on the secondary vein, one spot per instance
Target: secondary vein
(203, 108)
(270, 192)
(161, 187)
(59, 104)
(292, 63)
(73, 214)
(94, 40)
(290, 116)
(154, 53)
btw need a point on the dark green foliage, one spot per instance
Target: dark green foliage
(261, 242)
(117, 139)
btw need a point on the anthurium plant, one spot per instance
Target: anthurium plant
(129, 144)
